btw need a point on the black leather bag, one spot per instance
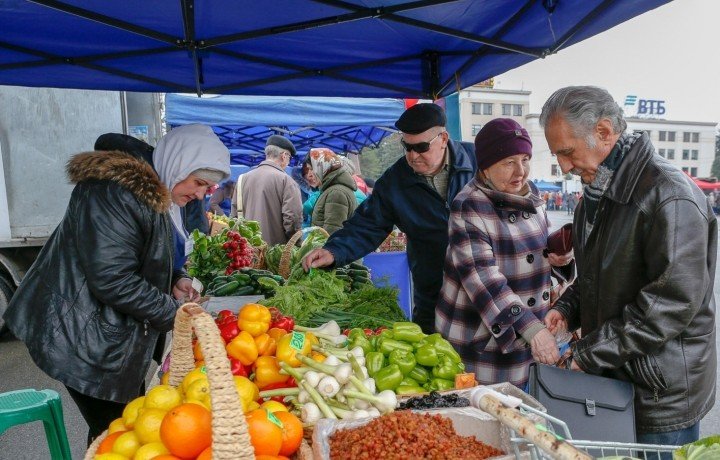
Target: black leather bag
(595, 408)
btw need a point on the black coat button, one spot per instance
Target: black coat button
(530, 258)
(531, 301)
(526, 215)
(546, 295)
(545, 253)
(500, 204)
(495, 329)
(512, 218)
(515, 310)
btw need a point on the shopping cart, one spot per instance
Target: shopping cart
(596, 449)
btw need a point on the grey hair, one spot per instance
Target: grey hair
(273, 151)
(583, 107)
(210, 175)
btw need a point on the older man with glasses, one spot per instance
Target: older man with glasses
(414, 194)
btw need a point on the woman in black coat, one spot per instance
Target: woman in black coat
(107, 283)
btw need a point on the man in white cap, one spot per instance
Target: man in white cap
(270, 196)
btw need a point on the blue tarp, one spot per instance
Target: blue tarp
(358, 48)
(244, 123)
(547, 186)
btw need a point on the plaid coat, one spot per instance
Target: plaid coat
(496, 287)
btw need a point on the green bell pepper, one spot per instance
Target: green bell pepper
(407, 332)
(440, 385)
(388, 345)
(374, 341)
(442, 346)
(419, 373)
(252, 225)
(405, 360)
(447, 369)
(362, 342)
(374, 361)
(426, 355)
(356, 332)
(409, 381)
(388, 378)
(386, 333)
(409, 389)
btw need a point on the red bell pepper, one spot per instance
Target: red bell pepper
(284, 322)
(222, 314)
(237, 368)
(229, 331)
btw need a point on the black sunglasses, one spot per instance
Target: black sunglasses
(420, 147)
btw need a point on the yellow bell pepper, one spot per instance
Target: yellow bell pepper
(243, 348)
(266, 345)
(276, 333)
(267, 372)
(318, 357)
(312, 338)
(254, 319)
(248, 391)
(291, 344)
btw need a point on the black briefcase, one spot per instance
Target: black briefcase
(595, 408)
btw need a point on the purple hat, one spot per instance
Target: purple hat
(500, 138)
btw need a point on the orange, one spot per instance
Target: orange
(292, 433)
(107, 443)
(265, 436)
(186, 430)
(205, 455)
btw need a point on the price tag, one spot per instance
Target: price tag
(274, 419)
(197, 285)
(297, 341)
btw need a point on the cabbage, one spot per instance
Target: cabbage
(704, 449)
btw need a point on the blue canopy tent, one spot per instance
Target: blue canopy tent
(544, 186)
(243, 123)
(368, 48)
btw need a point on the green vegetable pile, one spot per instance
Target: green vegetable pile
(704, 449)
(315, 299)
(246, 281)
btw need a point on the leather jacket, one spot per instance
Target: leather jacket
(644, 293)
(96, 300)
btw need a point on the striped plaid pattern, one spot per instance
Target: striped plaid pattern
(496, 286)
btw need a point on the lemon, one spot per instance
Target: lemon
(110, 456)
(150, 451)
(197, 373)
(274, 406)
(246, 389)
(147, 425)
(130, 412)
(117, 425)
(163, 397)
(199, 389)
(126, 444)
(204, 403)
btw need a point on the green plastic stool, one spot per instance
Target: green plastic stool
(25, 406)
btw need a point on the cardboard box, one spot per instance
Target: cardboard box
(467, 421)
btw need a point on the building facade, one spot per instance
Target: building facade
(479, 104)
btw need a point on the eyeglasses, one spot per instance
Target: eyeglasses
(420, 147)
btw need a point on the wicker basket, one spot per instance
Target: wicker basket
(286, 258)
(230, 438)
(258, 259)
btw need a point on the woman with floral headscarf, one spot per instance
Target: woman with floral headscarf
(337, 200)
(109, 280)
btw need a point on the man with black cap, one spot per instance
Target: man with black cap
(270, 196)
(414, 194)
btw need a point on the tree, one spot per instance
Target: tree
(715, 171)
(374, 161)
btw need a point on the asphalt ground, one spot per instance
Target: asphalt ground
(27, 442)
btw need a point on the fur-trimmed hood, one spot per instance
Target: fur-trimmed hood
(130, 172)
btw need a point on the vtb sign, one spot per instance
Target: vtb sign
(644, 107)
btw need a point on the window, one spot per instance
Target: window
(671, 154)
(661, 152)
(506, 110)
(555, 170)
(696, 137)
(686, 137)
(663, 135)
(671, 136)
(685, 169)
(694, 155)
(481, 108)
(693, 172)
(686, 154)
(476, 129)
(517, 110)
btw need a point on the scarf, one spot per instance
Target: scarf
(323, 161)
(183, 151)
(603, 178)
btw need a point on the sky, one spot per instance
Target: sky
(671, 53)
